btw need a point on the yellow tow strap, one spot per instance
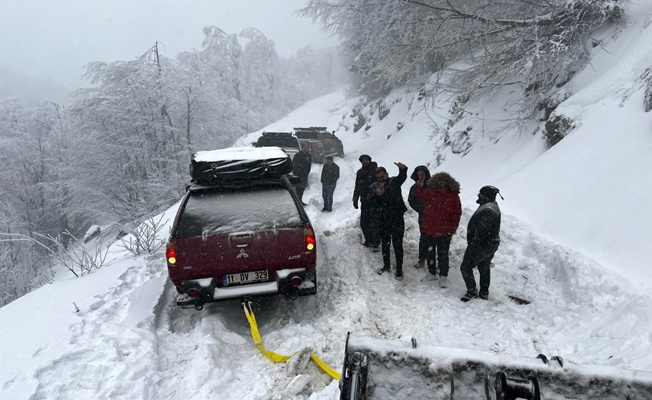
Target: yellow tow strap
(275, 356)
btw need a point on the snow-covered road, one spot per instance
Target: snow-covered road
(131, 341)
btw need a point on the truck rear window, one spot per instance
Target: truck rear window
(280, 142)
(308, 135)
(248, 209)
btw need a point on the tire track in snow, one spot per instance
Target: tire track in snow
(210, 352)
(207, 352)
(111, 348)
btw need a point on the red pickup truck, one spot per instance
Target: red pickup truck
(321, 142)
(241, 230)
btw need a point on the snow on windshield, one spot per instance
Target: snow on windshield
(250, 209)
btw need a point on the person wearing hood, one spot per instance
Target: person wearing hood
(483, 238)
(364, 178)
(387, 199)
(441, 216)
(419, 175)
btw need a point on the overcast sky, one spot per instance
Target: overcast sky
(54, 39)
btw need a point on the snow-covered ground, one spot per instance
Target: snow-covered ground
(575, 242)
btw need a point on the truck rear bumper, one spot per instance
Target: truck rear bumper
(210, 292)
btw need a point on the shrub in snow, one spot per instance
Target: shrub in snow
(143, 238)
(557, 127)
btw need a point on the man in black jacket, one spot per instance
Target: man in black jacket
(483, 238)
(330, 173)
(387, 200)
(365, 176)
(301, 164)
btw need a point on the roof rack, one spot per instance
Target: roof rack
(312, 128)
(276, 133)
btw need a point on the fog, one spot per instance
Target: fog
(46, 44)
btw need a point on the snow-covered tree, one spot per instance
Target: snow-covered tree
(534, 44)
(130, 147)
(34, 195)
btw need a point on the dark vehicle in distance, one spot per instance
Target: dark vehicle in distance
(285, 140)
(321, 143)
(238, 238)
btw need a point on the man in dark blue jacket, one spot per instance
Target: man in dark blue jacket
(330, 173)
(483, 238)
(387, 199)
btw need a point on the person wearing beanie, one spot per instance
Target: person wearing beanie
(441, 217)
(364, 178)
(387, 199)
(420, 175)
(483, 238)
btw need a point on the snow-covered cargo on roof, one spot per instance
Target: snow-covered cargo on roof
(239, 153)
(239, 163)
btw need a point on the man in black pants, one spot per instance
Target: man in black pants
(387, 199)
(483, 240)
(330, 173)
(301, 164)
(365, 176)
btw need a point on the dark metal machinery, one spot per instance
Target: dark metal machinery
(378, 369)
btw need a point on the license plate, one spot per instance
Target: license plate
(245, 277)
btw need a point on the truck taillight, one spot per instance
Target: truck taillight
(171, 253)
(310, 239)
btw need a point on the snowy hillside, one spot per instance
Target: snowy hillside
(575, 242)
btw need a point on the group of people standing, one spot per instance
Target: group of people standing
(435, 198)
(437, 202)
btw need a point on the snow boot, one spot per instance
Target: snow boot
(399, 275)
(429, 277)
(484, 295)
(471, 294)
(443, 281)
(383, 270)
